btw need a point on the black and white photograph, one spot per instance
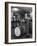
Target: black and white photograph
(20, 22)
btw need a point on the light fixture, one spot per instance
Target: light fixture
(15, 9)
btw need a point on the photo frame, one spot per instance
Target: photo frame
(20, 22)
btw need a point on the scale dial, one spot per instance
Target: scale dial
(17, 31)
